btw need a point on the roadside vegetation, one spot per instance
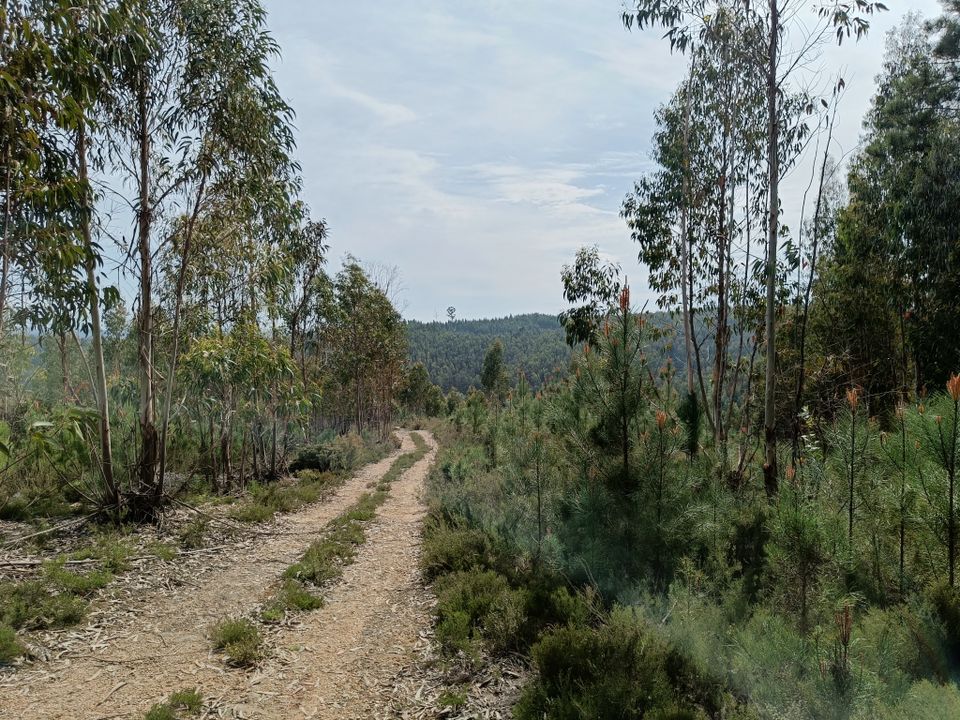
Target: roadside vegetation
(641, 577)
(754, 513)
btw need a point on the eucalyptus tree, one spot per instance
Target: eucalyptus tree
(687, 25)
(42, 194)
(239, 127)
(60, 59)
(86, 54)
(195, 121)
(593, 286)
(308, 254)
(691, 215)
(366, 347)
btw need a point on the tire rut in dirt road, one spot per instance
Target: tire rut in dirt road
(340, 661)
(162, 645)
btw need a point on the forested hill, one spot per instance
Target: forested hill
(453, 351)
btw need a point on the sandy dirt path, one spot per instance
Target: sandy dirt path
(163, 645)
(340, 662)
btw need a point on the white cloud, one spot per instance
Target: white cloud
(477, 146)
(388, 113)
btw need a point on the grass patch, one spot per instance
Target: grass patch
(10, 647)
(292, 597)
(251, 512)
(322, 562)
(453, 699)
(181, 704)
(75, 583)
(162, 550)
(112, 550)
(238, 639)
(58, 598)
(35, 605)
(21, 508)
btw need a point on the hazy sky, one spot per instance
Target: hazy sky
(477, 145)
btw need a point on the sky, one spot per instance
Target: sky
(475, 146)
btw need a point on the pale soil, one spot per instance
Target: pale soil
(337, 662)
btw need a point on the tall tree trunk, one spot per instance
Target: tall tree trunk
(951, 509)
(720, 332)
(5, 252)
(805, 314)
(64, 367)
(273, 449)
(177, 310)
(226, 461)
(149, 449)
(770, 477)
(685, 248)
(253, 450)
(111, 491)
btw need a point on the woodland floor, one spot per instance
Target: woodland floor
(366, 654)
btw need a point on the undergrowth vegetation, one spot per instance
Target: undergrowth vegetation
(642, 575)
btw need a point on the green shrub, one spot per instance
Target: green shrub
(10, 647)
(448, 549)
(455, 633)
(317, 478)
(945, 601)
(238, 639)
(547, 604)
(451, 545)
(181, 704)
(313, 457)
(283, 497)
(617, 671)
(193, 535)
(467, 603)
(346, 452)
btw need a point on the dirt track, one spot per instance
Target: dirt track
(332, 664)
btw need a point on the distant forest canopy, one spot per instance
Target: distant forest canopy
(453, 351)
